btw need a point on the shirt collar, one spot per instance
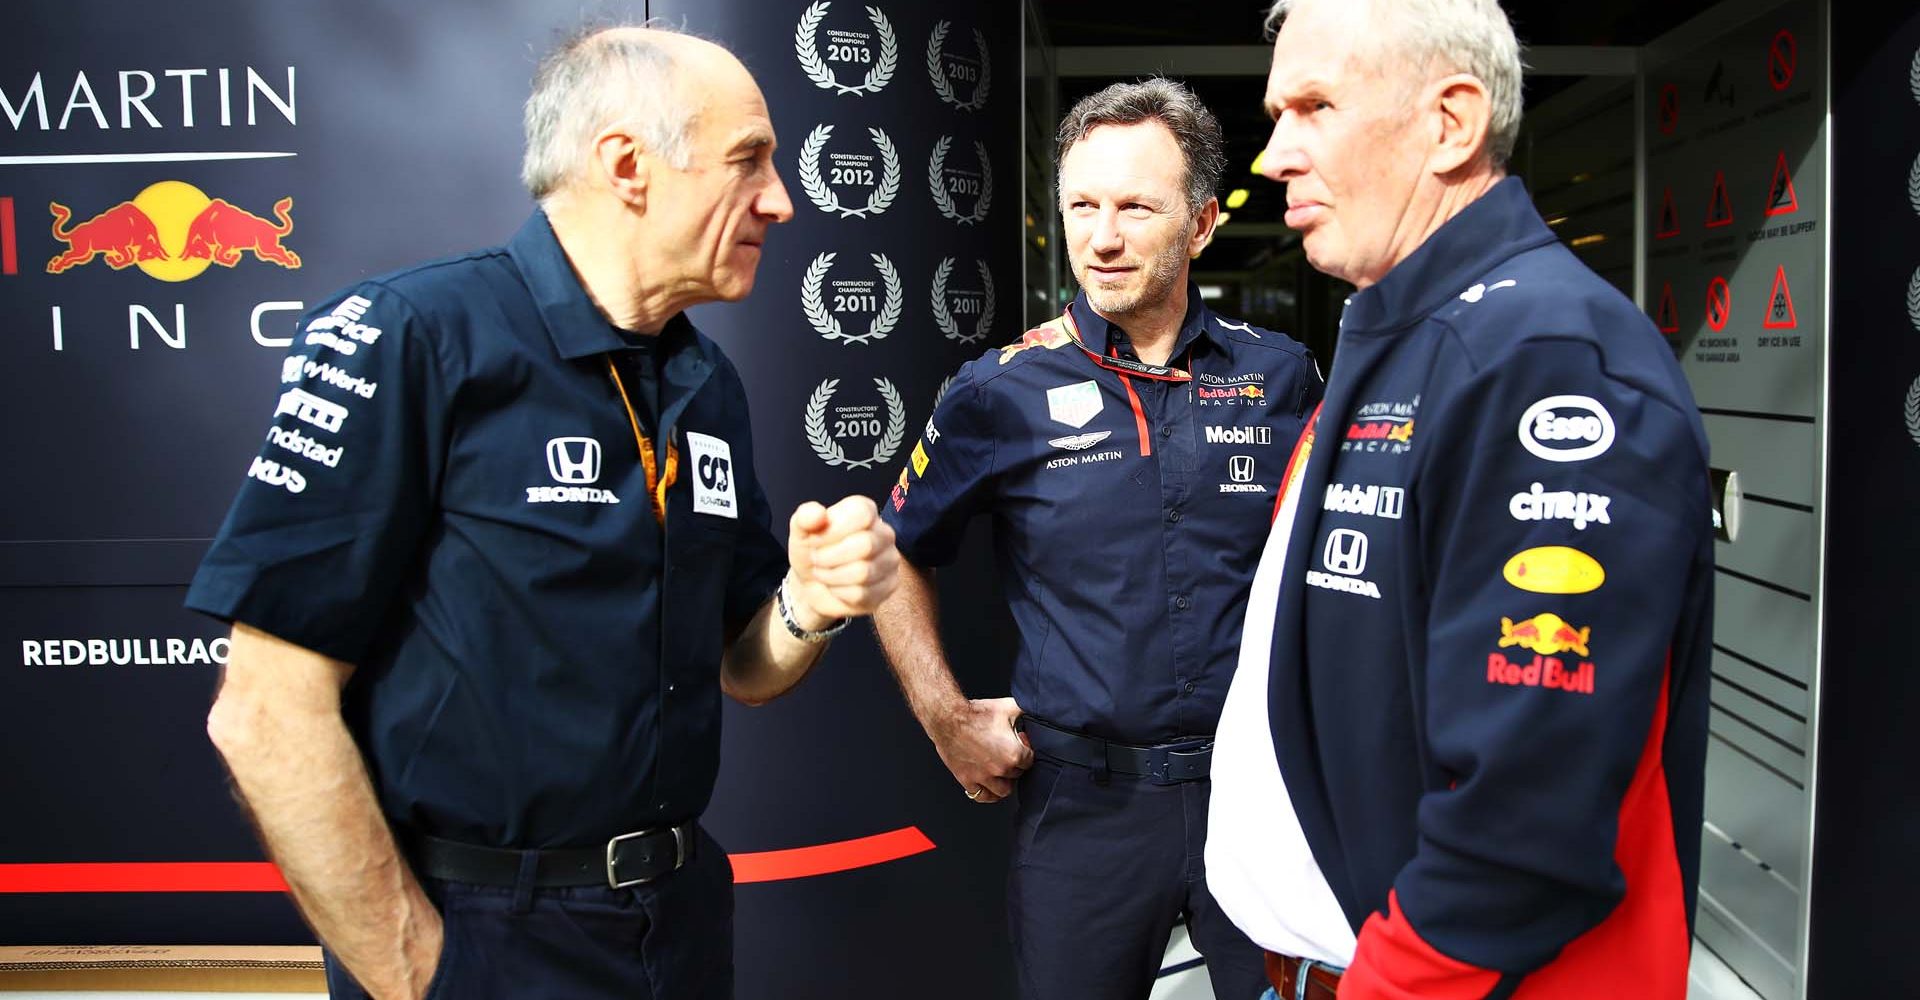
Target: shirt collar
(577, 326)
(1494, 228)
(1097, 331)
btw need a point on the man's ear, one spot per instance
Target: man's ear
(1204, 224)
(623, 166)
(1463, 112)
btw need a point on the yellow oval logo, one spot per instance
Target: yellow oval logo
(1555, 569)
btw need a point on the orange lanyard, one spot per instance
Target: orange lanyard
(657, 484)
(1122, 367)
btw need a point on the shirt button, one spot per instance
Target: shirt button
(1181, 602)
(1174, 515)
(1167, 431)
(1187, 688)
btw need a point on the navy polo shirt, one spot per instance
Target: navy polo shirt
(452, 498)
(1121, 510)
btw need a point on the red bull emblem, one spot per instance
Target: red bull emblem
(172, 231)
(1253, 392)
(1402, 433)
(1546, 634)
(222, 232)
(1048, 335)
(123, 233)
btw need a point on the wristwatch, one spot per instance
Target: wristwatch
(793, 627)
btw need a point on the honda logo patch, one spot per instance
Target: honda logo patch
(1346, 552)
(574, 460)
(1240, 468)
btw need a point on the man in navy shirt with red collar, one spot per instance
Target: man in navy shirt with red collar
(1125, 452)
(1464, 750)
(502, 552)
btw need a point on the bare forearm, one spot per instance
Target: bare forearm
(909, 628)
(766, 661)
(302, 778)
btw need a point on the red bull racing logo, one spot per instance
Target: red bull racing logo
(172, 231)
(1544, 635)
(1048, 336)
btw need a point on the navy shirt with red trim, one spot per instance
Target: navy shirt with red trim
(451, 497)
(1121, 505)
(1489, 674)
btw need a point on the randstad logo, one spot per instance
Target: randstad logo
(172, 231)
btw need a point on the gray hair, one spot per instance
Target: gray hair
(1467, 36)
(1194, 128)
(597, 78)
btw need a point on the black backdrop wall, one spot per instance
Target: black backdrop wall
(351, 140)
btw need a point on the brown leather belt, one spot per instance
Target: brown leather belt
(1284, 972)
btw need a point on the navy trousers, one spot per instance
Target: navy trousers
(671, 939)
(1101, 873)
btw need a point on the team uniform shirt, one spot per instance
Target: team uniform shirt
(453, 498)
(1487, 668)
(1121, 504)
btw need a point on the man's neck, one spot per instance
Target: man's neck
(1153, 328)
(610, 261)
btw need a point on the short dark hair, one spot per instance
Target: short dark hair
(1168, 102)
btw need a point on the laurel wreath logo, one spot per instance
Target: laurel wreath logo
(827, 324)
(943, 317)
(942, 392)
(816, 68)
(829, 450)
(936, 70)
(1913, 75)
(823, 197)
(1913, 411)
(1913, 299)
(1913, 184)
(937, 175)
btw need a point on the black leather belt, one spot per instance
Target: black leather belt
(1164, 763)
(627, 860)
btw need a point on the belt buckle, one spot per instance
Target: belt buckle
(679, 855)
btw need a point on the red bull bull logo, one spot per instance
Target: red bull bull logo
(1253, 392)
(172, 231)
(1546, 634)
(1048, 336)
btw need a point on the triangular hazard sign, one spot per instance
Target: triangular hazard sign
(1780, 314)
(1780, 196)
(1669, 218)
(1719, 210)
(1668, 316)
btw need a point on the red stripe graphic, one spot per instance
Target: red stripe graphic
(262, 876)
(9, 262)
(825, 859)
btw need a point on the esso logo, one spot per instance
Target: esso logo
(1566, 428)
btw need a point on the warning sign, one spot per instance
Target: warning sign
(1667, 317)
(1780, 196)
(1782, 57)
(1780, 314)
(1719, 208)
(1669, 108)
(1719, 304)
(1669, 218)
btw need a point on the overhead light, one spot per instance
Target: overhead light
(1029, 222)
(1212, 292)
(1581, 178)
(1589, 240)
(1259, 161)
(1238, 197)
(1224, 216)
(1556, 220)
(1040, 241)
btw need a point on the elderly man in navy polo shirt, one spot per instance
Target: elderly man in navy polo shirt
(502, 551)
(1125, 451)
